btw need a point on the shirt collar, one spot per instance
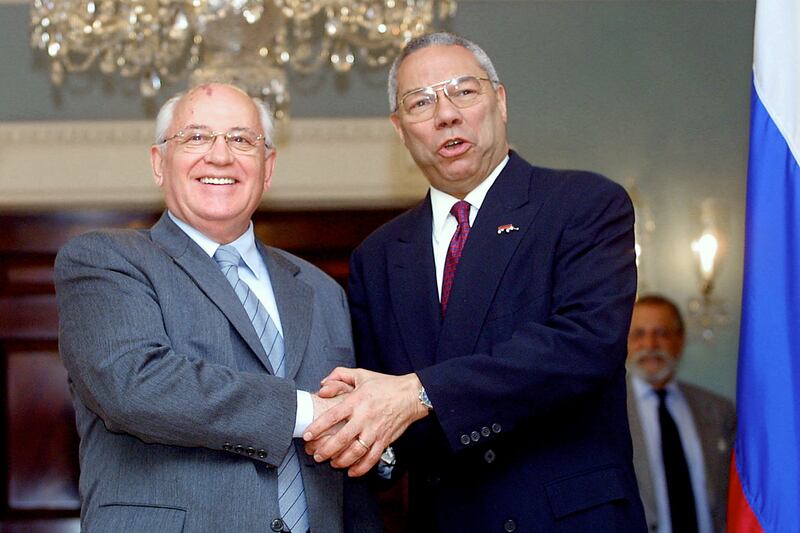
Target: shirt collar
(441, 202)
(245, 244)
(643, 389)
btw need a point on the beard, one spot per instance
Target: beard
(663, 373)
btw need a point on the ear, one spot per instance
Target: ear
(269, 167)
(156, 164)
(398, 126)
(501, 102)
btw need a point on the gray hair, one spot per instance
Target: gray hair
(167, 113)
(438, 39)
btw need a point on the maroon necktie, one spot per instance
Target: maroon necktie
(460, 210)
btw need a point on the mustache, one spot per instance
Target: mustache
(656, 353)
(668, 365)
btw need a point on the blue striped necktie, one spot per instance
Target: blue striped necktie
(291, 496)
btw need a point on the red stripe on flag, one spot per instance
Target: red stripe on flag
(740, 516)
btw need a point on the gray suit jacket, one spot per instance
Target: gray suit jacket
(715, 421)
(181, 421)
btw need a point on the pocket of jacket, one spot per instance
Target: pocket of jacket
(136, 518)
(585, 491)
(340, 356)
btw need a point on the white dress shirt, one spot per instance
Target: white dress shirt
(647, 406)
(256, 276)
(445, 224)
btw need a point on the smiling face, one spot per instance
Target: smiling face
(215, 192)
(457, 148)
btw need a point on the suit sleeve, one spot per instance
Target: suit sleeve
(565, 356)
(123, 367)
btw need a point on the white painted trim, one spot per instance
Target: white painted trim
(321, 162)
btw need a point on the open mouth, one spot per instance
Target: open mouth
(454, 147)
(209, 180)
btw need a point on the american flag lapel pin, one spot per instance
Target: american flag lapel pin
(506, 228)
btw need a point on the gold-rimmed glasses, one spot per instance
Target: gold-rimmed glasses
(200, 140)
(463, 91)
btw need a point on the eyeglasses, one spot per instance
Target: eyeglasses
(659, 333)
(464, 91)
(200, 141)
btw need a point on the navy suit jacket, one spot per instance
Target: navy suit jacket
(526, 372)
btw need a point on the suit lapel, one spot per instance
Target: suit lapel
(708, 440)
(412, 286)
(295, 301)
(209, 278)
(486, 255)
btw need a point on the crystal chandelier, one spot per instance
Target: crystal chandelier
(248, 42)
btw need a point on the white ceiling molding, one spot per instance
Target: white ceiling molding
(321, 163)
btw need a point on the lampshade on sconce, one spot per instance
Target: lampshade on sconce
(706, 249)
(706, 310)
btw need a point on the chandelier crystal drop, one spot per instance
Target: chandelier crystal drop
(252, 43)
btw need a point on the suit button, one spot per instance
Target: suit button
(485, 431)
(276, 525)
(496, 428)
(475, 436)
(227, 446)
(262, 454)
(489, 456)
(510, 526)
(250, 451)
(465, 439)
(238, 448)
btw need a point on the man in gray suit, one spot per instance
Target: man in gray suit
(705, 424)
(190, 347)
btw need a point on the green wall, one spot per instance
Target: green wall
(654, 94)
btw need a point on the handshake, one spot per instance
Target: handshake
(358, 414)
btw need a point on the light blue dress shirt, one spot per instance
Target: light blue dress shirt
(257, 278)
(647, 406)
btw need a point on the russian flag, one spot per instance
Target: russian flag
(764, 492)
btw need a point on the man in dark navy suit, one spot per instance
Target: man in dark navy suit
(490, 323)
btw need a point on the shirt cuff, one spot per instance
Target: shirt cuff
(305, 413)
(387, 463)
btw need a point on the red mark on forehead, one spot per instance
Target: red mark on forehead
(209, 91)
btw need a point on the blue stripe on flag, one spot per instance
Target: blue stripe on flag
(768, 389)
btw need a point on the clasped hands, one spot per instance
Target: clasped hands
(358, 414)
